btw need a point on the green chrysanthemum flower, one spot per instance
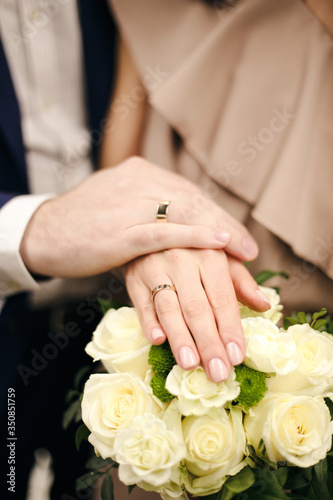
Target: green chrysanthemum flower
(158, 385)
(252, 386)
(161, 358)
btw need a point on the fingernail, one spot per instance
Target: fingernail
(250, 247)
(234, 353)
(218, 370)
(157, 334)
(264, 297)
(187, 358)
(222, 236)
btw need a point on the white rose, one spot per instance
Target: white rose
(196, 393)
(174, 489)
(147, 452)
(274, 314)
(119, 343)
(110, 403)
(267, 349)
(215, 444)
(295, 429)
(314, 376)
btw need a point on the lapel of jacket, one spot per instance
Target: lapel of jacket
(10, 125)
(99, 42)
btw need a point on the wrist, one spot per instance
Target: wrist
(36, 242)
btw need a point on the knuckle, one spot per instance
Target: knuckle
(206, 346)
(158, 233)
(147, 311)
(166, 305)
(195, 307)
(184, 212)
(209, 349)
(132, 163)
(221, 300)
(143, 237)
(214, 257)
(136, 238)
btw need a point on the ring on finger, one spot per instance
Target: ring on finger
(164, 286)
(162, 211)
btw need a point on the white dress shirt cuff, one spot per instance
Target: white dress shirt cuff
(14, 218)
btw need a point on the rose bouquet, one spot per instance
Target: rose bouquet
(266, 432)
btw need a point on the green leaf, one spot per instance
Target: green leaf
(264, 276)
(251, 449)
(319, 314)
(106, 304)
(87, 480)
(320, 324)
(291, 321)
(301, 317)
(107, 488)
(320, 480)
(131, 488)
(261, 445)
(72, 414)
(238, 483)
(329, 326)
(81, 376)
(281, 475)
(71, 394)
(82, 433)
(267, 485)
(95, 462)
(297, 478)
(330, 481)
(318, 488)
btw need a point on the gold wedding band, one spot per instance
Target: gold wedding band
(162, 211)
(158, 288)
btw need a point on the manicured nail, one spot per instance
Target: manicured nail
(222, 236)
(157, 334)
(234, 353)
(264, 297)
(218, 370)
(250, 247)
(187, 357)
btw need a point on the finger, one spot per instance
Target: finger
(171, 318)
(200, 210)
(242, 244)
(147, 238)
(199, 317)
(222, 298)
(140, 296)
(164, 313)
(246, 288)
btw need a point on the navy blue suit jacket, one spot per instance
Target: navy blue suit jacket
(99, 41)
(98, 33)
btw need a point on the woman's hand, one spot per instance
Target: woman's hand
(201, 320)
(110, 219)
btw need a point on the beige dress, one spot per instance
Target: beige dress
(241, 102)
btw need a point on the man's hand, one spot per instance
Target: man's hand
(110, 219)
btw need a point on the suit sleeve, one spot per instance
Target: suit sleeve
(4, 197)
(15, 214)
